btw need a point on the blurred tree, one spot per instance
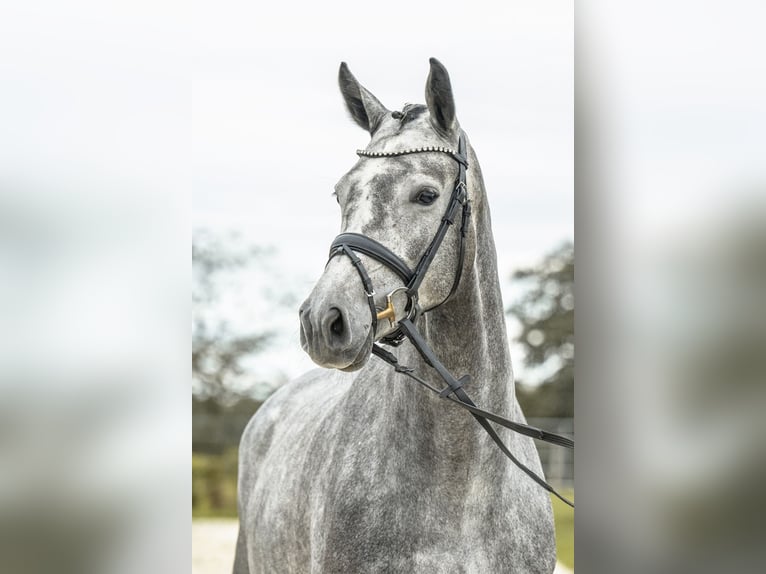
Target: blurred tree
(546, 314)
(217, 426)
(217, 352)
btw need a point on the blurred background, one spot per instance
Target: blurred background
(671, 329)
(95, 168)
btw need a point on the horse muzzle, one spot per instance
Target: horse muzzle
(335, 330)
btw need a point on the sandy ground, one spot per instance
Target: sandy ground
(213, 543)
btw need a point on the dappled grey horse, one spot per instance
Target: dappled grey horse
(355, 469)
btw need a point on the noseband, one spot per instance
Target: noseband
(350, 244)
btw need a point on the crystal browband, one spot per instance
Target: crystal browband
(367, 153)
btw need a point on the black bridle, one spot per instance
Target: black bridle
(350, 244)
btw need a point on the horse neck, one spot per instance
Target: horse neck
(468, 335)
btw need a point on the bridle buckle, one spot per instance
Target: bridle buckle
(390, 312)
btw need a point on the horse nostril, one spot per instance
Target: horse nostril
(336, 328)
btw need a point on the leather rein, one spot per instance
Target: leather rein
(349, 244)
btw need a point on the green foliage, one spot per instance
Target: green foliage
(216, 432)
(216, 426)
(219, 413)
(563, 516)
(214, 484)
(546, 314)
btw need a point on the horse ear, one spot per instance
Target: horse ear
(364, 108)
(441, 102)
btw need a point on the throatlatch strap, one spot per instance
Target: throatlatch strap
(461, 257)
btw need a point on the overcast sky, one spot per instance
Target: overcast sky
(272, 137)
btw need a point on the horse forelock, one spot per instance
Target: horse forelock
(409, 128)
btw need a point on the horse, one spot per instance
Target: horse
(350, 468)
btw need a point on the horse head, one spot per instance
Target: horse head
(396, 195)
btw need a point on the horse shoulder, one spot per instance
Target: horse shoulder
(276, 449)
(284, 413)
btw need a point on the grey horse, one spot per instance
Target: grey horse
(355, 469)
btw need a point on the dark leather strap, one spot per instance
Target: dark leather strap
(366, 283)
(461, 398)
(525, 469)
(372, 248)
(461, 257)
(459, 198)
(412, 333)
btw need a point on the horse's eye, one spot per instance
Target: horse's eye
(426, 196)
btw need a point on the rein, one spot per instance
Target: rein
(350, 243)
